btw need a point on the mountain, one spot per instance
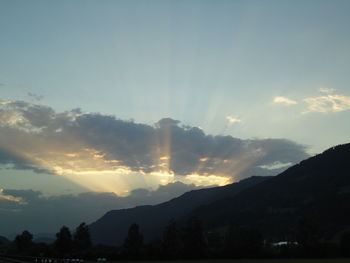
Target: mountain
(4, 241)
(113, 226)
(317, 189)
(46, 240)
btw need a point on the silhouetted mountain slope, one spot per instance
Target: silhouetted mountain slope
(317, 189)
(113, 226)
(46, 240)
(4, 240)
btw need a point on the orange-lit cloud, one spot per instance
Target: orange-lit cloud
(4, 196)
(206, 180)
(232, 119)
(103, 153)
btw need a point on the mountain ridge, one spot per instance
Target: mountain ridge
(317, 188)
(112, 227)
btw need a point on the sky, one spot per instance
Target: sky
(112, 97)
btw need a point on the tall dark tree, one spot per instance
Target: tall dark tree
(243, 242)
(64, 242)
(193, 239)
(81, 238)
(24, 241)
(308, 236)
(172, 244)
(133, 243)
(345, 244)
(215, 242)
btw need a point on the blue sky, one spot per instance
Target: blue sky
(195, 61)
(249, 69)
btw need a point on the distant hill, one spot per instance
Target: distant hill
(4, 240)
(317, 189)
(113, 226)
(46, 240)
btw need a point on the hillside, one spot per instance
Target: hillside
(113, 226)
(317, 189)
(4, 241)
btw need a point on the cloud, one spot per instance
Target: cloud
(4, 102)
(327, 103)
(28, 209)
(35, 96)
(284, 100)
(232, 119)
(15, 161)
(326, 90)
(276, 165)
(27, 195)
(5, 197)
(104, 153)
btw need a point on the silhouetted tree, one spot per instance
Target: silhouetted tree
(215, 244)
(243, 242)
(345, 244)
(81, 238)
(193, 239)
(64, 243)
(172, 244)
(307, 236)
(152, 250)
(24, 241)
(133, 243)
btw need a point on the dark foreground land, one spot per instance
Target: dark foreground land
(345, 260)
(340, 260)
(225, 261)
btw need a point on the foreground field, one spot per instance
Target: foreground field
(281, 261)
(248, 261)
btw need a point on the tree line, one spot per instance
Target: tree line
(186, 242)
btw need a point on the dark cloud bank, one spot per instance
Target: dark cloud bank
(35, 137)
(30, 133)
(30, 210)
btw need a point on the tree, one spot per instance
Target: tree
(243, 242)
(308, 236)
(64, 243)
(171, 245)
(24, 241)
(215, 244)
(133, 243)
(345, 244)
(81, 239)
(193, 239)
